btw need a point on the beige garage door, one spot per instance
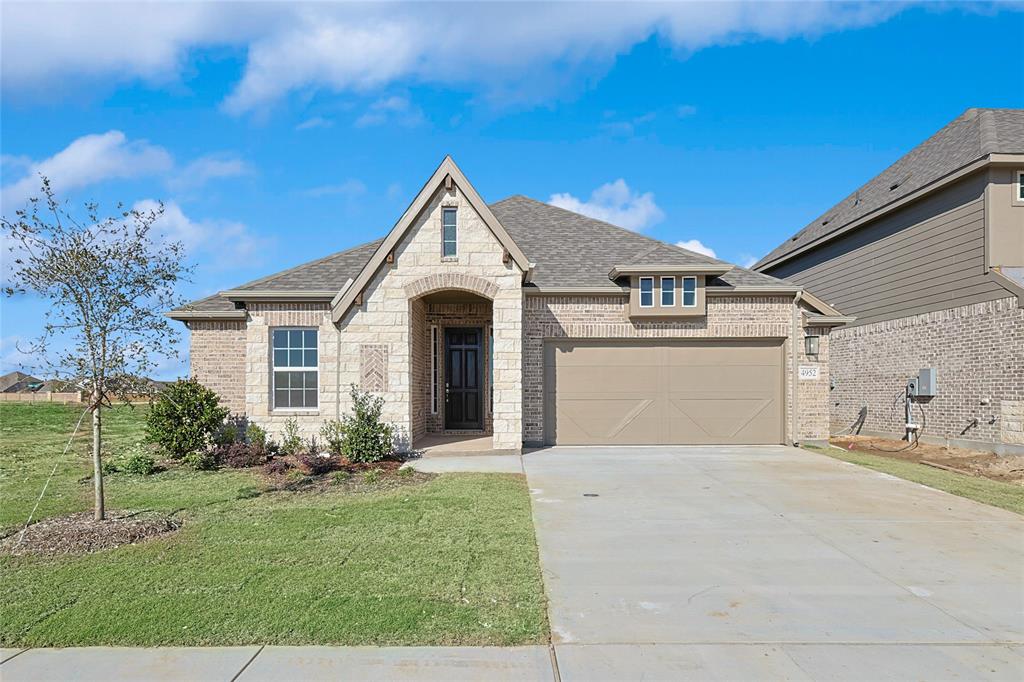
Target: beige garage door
(659, 392)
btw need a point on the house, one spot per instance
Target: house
(929, 258)
(19, 382)
(524, 322)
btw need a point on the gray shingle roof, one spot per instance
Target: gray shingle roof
(569, 250)
(974, 134)
(572, 250)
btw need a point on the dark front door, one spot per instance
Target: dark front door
(463, 370)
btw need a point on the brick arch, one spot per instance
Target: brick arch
(451, 280)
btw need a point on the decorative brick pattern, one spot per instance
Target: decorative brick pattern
(217, 359)
(373, 367)
(977, 351)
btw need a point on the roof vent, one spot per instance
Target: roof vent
(825, 221)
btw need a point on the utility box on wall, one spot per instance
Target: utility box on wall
(926, 387)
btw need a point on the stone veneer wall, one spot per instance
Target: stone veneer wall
(419, 361)
(549, 317)
(418, 270)
(263, 317)
(978, 352)
(217, 359)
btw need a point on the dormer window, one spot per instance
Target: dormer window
(646, 292)
(689, 292)
(449, 237)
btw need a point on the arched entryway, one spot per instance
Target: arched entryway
(451, 365)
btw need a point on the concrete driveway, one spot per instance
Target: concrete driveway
(770, 563)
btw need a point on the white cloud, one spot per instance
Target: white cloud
(349, 188)
(394, 109)
(510, 51)
(220, 244)
(747, 261)
(88, 160)
(209, 167)
(614, 203)
(686, 110)
(697, 246)
(315, 122)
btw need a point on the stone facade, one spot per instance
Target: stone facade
(582, 317)
(978, 353)
(418, 270)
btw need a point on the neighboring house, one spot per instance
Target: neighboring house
(525, 321)
(19, 382)
(929, 258)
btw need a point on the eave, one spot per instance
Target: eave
(698, 269)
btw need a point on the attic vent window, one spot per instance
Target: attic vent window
(825, 221)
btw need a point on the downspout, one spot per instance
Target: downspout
(795, 370)
(337, 373)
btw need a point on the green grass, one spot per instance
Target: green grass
(450, 561)
(984, 490)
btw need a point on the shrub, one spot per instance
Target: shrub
(316, 464)
(371, 476)
(406, 472)
(201, 460)
(294, 476)
(228, 434)
(109, 466)
(240, 455)
(184, 418)
(277, 467)
(333, 433)
(339, 477)
(137, 461)
(367, 438)
(256, 436)
(292, 441)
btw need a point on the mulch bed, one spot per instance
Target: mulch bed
(1005, 468)
(342, 476)
(80, 534)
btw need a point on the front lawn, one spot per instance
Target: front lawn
(449, 561)
(996, 493)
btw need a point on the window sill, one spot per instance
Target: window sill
(449, 259)
(293, 412)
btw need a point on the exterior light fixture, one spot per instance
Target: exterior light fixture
(811, 346)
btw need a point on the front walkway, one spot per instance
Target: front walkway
(770, 563)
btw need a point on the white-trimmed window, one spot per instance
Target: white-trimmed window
(1018, 193)
(449, 233)
(668, 292)
(434, 367)
(646, 292)
(295, 374)
(689, 292)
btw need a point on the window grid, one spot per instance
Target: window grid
(295, 373)
(689, 292)
(450, 233)
(668, 292)
(1020, 185)
(646, 292)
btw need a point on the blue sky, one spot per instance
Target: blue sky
(278, 134)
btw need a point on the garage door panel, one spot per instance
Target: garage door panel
(585, 420)
(613, 379)
(664, 392)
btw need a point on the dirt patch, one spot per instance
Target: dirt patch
(81, 534)
(1005, 468)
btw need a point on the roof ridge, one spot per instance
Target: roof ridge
(328, 257)
(988, 135)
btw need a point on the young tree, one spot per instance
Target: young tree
(107, 282)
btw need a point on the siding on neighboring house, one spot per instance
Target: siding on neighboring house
(925, 257)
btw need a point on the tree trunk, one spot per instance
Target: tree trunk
(97, 467)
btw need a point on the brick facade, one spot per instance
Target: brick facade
(582, 317)
(217, 358)
(978, 352)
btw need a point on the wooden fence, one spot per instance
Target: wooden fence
(41, 397)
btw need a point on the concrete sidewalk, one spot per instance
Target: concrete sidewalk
(255, 664)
